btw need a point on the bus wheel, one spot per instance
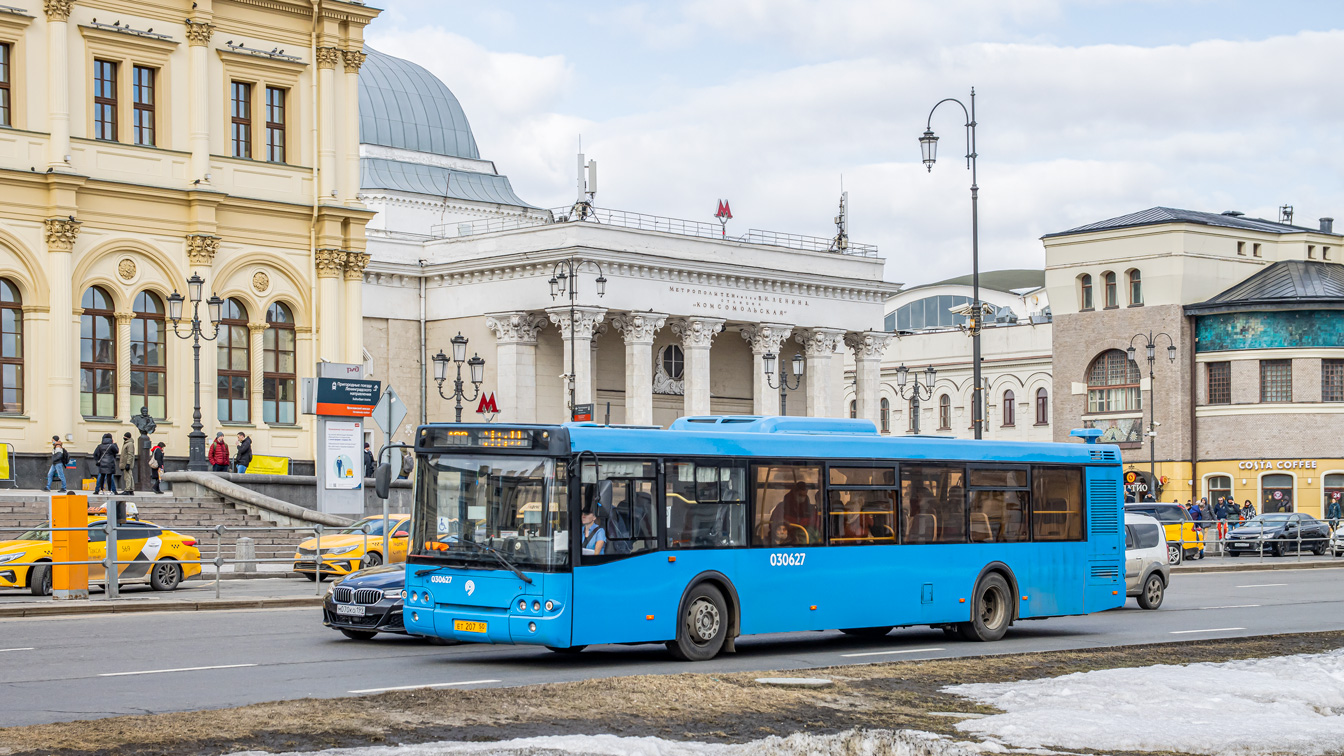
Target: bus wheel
(991, 612)
(867, 632)
(567, 649)
(704, 626)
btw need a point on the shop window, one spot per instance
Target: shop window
(1042, 407)
(1276, 380)
(945, 412)
(1135, 289)
(1085, 298)
(1276, 493)
(933, 504)
(1112, 297)
(142, 102)
(278, 377)
(998, 506)
(11, 348)
(862, 506)
(1218, 382)
(6, 109)
(240, 120)
(234, 364)
(706, 505)
(1009, 409)
(275, 124)
(1057, 504)
(1334, 488)
(1113, 384)
(788, 505)
(1332, 380)
(97, 355)
(149, 363)
(1219, 487)
(105, 100)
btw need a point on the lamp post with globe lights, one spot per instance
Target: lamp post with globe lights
(196, 438)
(915, 391)
(565, 280)
(1150, 353)
(769, 360)
(476, 365)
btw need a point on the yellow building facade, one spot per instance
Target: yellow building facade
(142, 143)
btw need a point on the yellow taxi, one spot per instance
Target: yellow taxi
(1184, 540)
(153, 556)
(355, 547)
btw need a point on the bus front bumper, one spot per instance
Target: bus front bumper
(474, 624)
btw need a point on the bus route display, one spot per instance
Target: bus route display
(484, 438)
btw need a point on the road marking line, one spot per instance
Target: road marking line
(1233, 606)
(902, 651)
(179, 669)
(418, 687)
(1265, 585)
(30, 648)
(1210, 630)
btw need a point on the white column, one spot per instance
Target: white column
(330, 263)
(350, 141)
(123, 361)
(765, 338)
(328, 182)
(353, 336)
(578, 346)
(63, 334)
(819, 348)
(58, 87)
(256, 335)
(697, 336)
(516, 364)
(639, 329)
(198, 91)
(868, 347)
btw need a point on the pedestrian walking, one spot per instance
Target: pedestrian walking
(105, 461)
(219, 454)
(244, 456)
(127, 464)
(1197, 515)
(56, 463)
(1248, 510)
(407, 464)
(156, 466)
(368, 461)
(1334, 512)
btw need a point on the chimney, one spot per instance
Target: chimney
(1327, 225)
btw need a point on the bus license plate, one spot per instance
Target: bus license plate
(466, 626)
(350, 611)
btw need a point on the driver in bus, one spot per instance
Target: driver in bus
(593, 536)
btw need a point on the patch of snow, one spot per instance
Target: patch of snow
(1290, 704)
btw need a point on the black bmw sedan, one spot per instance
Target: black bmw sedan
(1279, 533)
(367, 602)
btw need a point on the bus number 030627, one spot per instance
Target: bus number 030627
(794, 559)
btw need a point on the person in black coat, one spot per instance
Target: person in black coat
(368, 461)
(156, 466)
(105, 459)
(243, 457)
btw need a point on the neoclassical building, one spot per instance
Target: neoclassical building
(141, 144)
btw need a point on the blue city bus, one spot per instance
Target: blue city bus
(572, 535)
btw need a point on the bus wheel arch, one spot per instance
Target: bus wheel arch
(726, 588)
(1007, 573)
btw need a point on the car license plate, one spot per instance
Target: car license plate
(466, 626)
(350, 611)
(1241, 545)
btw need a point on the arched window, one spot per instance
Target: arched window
(1135, 288)
(1085, 297)
(945, 412)
(674, 362)
(1112, 298)
(886, 415)
(1113, 384)
(1042, 406)
(1009, 408)
(279, 376)
(234, 370)
(853, 409)
(912, 409)
(11, 348)
(1219, 487)
(97, 355)
(149, 364)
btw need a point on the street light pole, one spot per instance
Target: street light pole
(565, 276)
(799, 365)
(929, 147)
(1150, 352)
(916, 389)
(475, 364)
(196, 438)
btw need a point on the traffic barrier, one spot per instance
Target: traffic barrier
(1215, 537)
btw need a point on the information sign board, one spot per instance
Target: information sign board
(347, 397)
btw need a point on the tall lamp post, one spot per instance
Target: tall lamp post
(915, 391)
(769, 359)
(1150, 351)
(195, 439)
(929, 146)
(565, 279)
(475, 364)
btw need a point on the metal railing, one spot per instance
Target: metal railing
(1214, 538)
(655, 223)
(109, 562)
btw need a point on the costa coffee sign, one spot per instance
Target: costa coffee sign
(1280, 464)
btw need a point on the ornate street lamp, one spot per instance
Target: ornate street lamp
(565, 277)
(1150, 353)
(799, 364)
(475, 365)
(196, 438)
(915, 391)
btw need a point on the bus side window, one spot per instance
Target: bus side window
(788, 505)
(1057, 504)
(998, 506)
(706, 504)
(933, 501)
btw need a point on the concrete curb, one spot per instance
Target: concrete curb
(1259, 566)
(125, 607)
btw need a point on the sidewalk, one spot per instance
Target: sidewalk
(1250, 563)
(193, 595)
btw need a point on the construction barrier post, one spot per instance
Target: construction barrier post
(69, 581)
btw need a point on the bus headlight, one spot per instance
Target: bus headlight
(550, 606)
(415, 617)
(522, 605)
(531, 627)
(536, 606)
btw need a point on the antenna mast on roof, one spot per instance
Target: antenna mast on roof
(1286, 214)
(841, 241)
(586, 186)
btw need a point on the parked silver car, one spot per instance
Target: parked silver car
(1147, 573)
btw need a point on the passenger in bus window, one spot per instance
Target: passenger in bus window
(798, 508)
(594, 537)
(786, 535)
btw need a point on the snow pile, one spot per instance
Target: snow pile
(850, 743)
(1291, 704)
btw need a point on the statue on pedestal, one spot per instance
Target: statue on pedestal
(146, 425)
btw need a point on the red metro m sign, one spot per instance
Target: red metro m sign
(723, 215)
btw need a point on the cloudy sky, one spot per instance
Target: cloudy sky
(1088, 109)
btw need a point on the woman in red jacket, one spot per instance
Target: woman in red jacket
(218, 457)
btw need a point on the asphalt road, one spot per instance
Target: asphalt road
(66, 668)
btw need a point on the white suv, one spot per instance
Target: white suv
(1146, 570)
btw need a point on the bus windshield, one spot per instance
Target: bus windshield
(513, 505)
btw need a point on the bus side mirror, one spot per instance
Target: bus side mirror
(382, 480)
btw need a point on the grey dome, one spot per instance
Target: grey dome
(403, 105)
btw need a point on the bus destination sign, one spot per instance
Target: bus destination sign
(485, 438)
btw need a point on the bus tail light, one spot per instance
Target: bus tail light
(812, 608)
(648, 616)
(671, 559)
(961, 601)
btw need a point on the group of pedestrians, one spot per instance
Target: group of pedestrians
(218, 456)
(110, 461)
